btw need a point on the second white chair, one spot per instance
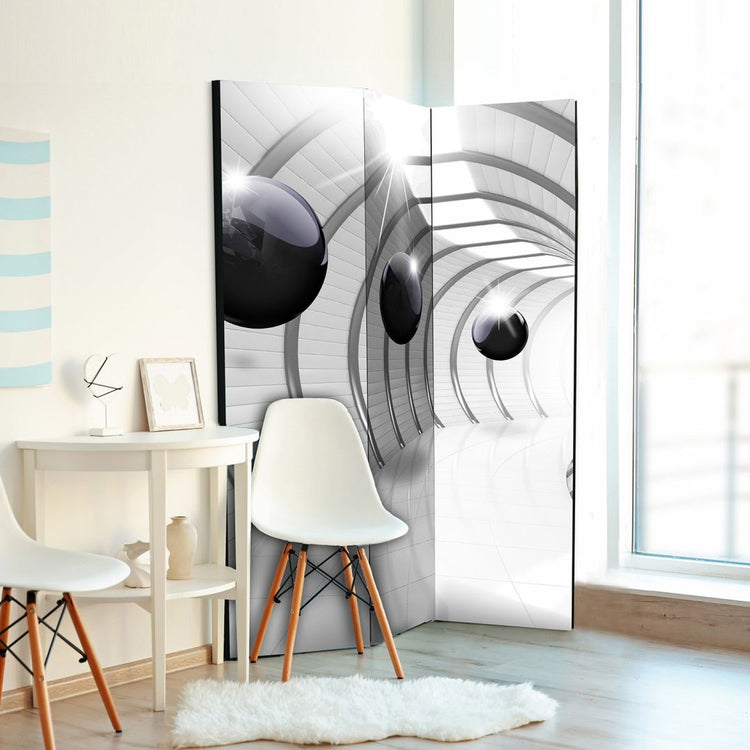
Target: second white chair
(312, 485)
(33, 567)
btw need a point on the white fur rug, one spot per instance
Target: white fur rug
(343, 710)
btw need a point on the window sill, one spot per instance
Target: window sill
(673, 586)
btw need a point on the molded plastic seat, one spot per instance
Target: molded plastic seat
(307, 530)
(312, 485)
(26, 564)
(311, 480)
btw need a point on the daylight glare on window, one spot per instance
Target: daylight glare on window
(693, 289)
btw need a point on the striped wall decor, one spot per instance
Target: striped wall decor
(25, 310)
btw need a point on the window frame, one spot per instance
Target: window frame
(622, 322)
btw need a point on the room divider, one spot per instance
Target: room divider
(418, 265)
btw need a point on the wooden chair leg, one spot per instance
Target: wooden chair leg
(299, 582)
(93, 662)
(4, 621)
(380, 613)
(264, 620)
(37, 663)
(353, 607)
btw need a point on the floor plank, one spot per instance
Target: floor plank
(614, 691)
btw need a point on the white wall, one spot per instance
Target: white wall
(124, 89)
(521, 50)
(438, 50)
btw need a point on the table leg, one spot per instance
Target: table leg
(33, 490)
(242, 516)
(158, 539)
(33, 513)
(218, 516)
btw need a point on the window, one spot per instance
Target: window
(692, 437)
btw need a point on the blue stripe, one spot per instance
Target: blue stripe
(18, 209)
(15, 377)
(13, 321)
(35, 152)
(33, 264)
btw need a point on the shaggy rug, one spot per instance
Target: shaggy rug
(343, 710)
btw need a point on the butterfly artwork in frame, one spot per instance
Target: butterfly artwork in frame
(170, 390)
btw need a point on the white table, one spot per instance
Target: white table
(156, 453)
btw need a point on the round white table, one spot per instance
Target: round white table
(156, 453)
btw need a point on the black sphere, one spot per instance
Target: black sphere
(274, 254)
(401, 298)
(500, 335)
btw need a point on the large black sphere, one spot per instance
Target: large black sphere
(500, 334)
(274, 254)
(401, 298)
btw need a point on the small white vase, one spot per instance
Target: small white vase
(182, 540)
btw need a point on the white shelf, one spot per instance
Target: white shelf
(207, 581)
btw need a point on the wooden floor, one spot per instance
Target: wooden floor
(614, 692)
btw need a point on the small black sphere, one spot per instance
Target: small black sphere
(401, 298)
(274, 253)
(500, 334)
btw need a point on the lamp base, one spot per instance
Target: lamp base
(105, 431)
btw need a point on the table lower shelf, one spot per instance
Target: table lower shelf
(208, 580)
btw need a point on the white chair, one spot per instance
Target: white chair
(312, 485)
(25, 564)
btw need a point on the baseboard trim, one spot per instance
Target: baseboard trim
(67, 687)
(659, 617)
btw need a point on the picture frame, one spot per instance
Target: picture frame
(171, 394)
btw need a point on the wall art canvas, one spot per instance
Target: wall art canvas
(418, 265)
(25, 293)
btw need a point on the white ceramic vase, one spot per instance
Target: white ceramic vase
(182, 540)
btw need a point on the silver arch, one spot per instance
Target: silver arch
(543, 117)
(506, 165)
(505, 222)
(388, 394)
(453, 248)
(514, 202)
(409, 391)
(295, 139)
(527, 354)
(496, 395)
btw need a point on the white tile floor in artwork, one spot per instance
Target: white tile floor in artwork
(504, 516)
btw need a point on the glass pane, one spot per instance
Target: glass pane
(693, 379)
